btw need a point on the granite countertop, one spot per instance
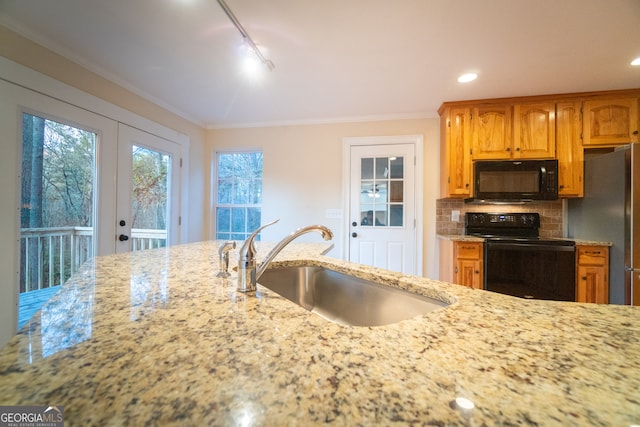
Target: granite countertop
(154, 338)
(461, 238)
(466, 238)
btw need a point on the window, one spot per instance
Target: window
(239, 198)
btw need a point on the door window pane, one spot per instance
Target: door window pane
(396, 215)
(382, 167)
(382, 192)
(57, 202)
(366, 168)
(396, 167)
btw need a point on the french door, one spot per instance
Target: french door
(88, 186)
(148, 200)
(79, 194)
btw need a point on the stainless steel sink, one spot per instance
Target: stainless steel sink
(346, 299)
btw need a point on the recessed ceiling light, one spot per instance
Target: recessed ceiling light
(636, 61)
(466, 78)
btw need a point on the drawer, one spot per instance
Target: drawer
(469, 250)
(592, 255)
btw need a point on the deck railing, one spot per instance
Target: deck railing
(51, 255)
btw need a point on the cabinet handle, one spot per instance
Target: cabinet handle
(592, 252)
(583, 278)
(508, 148)
(635, 132)
(456, 270)
(477, 271)
(518, 149)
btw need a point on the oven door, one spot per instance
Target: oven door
(531, 268)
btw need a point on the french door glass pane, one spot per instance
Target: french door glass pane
(149, 206)
(57, 201)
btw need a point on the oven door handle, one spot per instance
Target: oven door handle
(530, 247)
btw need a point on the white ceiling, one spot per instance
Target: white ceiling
(339, 60)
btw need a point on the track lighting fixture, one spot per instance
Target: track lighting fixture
(247, 38)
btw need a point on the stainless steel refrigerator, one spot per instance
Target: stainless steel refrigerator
(610, 211)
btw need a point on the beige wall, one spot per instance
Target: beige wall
(25, 52)
(303, 173)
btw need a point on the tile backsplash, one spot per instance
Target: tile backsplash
(550, 215)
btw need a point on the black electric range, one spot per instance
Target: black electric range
(518, 262)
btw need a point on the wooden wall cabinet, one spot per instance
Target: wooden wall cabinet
(514, 131)
(592, 274)
(610, 121)
(492, 132)
(457, 173)
(569, 151)
(536, 127)
(534, 131)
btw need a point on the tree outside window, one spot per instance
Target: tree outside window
(239, 198)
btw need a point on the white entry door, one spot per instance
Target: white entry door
(382, 211)
(148, 190)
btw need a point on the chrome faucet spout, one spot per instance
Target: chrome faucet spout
(247, 261)
(249, 271)
(326, 235)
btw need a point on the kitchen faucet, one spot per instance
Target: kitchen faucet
(249, 271)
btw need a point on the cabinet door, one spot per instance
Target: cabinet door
(592, 271)
(468, 264)
(468, 273)
(492, 132)
(459, 166)
(591, 285)
(569, 151)
(610, 121)
(534, 131)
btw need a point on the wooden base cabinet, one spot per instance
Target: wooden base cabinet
(592, 274)
(461, 262)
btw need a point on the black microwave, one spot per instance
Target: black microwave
(516, 180)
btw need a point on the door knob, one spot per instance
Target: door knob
(123, 238)
(354, 234)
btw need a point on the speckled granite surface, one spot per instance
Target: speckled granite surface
(460, 238)
(154, 338)
(465, 238)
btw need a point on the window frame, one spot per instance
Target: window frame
(215, 177)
